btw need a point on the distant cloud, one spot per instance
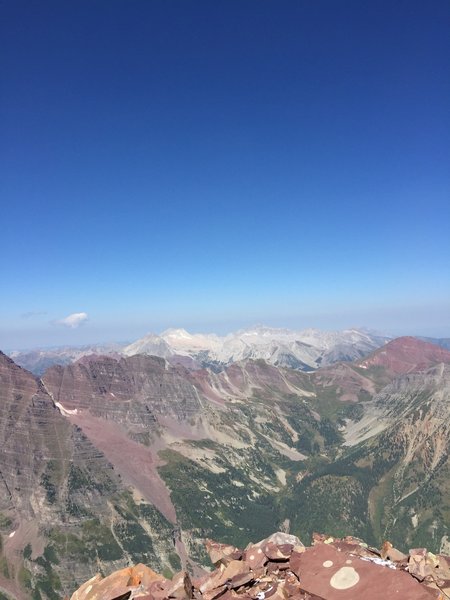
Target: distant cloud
(74, 320)
(32, 313)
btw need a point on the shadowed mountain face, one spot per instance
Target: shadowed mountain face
(131, 459)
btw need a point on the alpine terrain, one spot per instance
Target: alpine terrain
(113, 460)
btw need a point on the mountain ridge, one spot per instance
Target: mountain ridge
(305, 350)
(160, 456)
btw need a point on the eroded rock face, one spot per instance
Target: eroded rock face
(130, 390)
(32, 432)
(63, 507)
(281, 567)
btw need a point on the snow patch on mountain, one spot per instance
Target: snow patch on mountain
(304, 350)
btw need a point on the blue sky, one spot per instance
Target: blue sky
(216, 164)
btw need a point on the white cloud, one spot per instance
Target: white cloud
(74, 320)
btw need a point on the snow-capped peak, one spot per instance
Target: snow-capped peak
(309, 348)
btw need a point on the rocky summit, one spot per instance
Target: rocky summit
(280, 567)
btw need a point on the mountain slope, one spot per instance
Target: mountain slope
(395, 483)
(406, 355)
(61, 501)
(39, 360)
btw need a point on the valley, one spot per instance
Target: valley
(114, 459)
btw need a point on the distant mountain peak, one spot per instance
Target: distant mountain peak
(176, 333)
(406, 354)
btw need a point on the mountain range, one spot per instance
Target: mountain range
(305, 350)
(117, 459)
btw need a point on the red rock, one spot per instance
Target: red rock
(181, 587)
(214, 593)
(254, 556)
(241, 579)
(294, 562)
(222, 553)
(388, 551)
(276, 592)
(275, 552)
(292, 584)
(417, 563)
(406, 355)
(329, 574)
(235, 567)
(332, 569)
(213, 581)
(280, 538)
(118, 584)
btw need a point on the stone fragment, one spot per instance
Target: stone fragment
(222, 553)
(277, 552)
(213, 581)
(119, 584)
(292, 584)
(254, 556)
(276, 592)
(214, 593)
(388, 551)
(279, 538)
(235, 567)
(417, 565)
(144, 576)
(83, 591)
(181, 587)
(274, 567)
(327, 572)
(295, 563)
(331, 569)
(157, 590)
(241, 579)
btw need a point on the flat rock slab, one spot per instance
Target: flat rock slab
(336, 575)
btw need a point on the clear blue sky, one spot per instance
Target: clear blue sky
(220, 163)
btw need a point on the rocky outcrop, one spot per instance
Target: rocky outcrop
(280, 567)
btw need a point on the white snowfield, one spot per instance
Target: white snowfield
(309, 348)
(66, 412)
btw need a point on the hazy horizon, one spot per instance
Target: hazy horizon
(211, 166)
(85, 335)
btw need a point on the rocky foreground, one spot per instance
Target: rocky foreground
(281, 567)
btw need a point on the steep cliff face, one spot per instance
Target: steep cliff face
(132, 391)
(31, 432)
(61, 501)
